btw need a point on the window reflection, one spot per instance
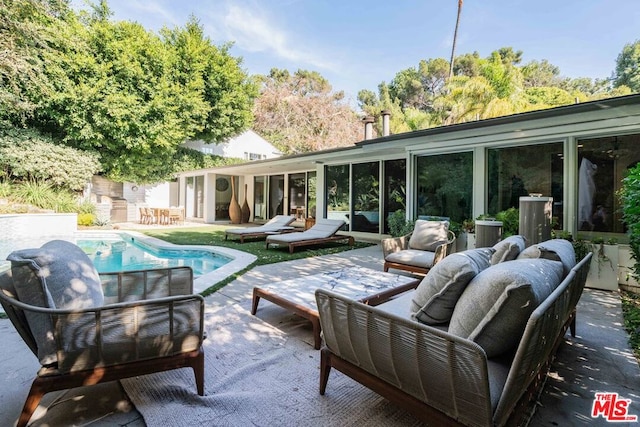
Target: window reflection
(445, 186)
(602, 164)
(520, 171)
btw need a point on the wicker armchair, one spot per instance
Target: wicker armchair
(420, 250)
(150, 322)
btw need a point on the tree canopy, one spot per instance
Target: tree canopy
(299, 112)
(131, 95)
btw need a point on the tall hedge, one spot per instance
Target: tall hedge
(27, 155)
(630, 198)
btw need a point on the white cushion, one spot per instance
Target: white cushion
(57, 275)
(428, 235)
(555, 249)
(436, 296)
(508, 249)
(494, 308)
(412, 257)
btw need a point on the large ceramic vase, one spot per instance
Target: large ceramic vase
(235, 213)
(246, 212)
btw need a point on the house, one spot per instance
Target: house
(576, 154)
(121, 201)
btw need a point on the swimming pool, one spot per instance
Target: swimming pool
(125, 253)
(129, 250)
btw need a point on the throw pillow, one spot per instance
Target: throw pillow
(428, 235)
(494, 308)
(554, 249)
(57, 275)
(507, 249)
(436, 296)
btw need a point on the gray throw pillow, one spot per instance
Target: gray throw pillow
(428, 235)
(507, 249)
(436, 296)
(555, 249)
(57, 275)
(494, 308)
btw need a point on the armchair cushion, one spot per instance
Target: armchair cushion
(436, 296)
(412, 257)
(554, 249)
(428, 235)
(57, 275)
(494, 308)
(507, 249)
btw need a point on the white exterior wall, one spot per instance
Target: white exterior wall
(237, 147)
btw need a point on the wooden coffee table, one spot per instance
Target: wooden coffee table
(363, 284)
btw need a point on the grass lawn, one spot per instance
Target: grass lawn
(213, 235)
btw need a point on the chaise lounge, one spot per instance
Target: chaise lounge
(471, 345)
(323, 231)
(277, 224)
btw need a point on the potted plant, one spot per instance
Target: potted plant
(603, 272)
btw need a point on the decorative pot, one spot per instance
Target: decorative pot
(235, 213)
(246, 212)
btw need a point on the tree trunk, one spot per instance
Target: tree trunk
(455, 38)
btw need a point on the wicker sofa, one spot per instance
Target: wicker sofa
(478, 376)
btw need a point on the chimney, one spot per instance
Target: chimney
(368, 127)
(386, 114)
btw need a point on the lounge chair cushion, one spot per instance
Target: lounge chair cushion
(322, 229)
(428, 235)
(57, 275)
(495, 306)
(277, 223)
(554, 249)
(413, 257)
(436, 296)
(507, 249)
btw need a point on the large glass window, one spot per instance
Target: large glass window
(276, 195)
(311, 194)
(337, 191)
(297, 196)
(395, 184)
(259, 202)
(525, 170)
(602, 164)
(444, 186)
(366, 197)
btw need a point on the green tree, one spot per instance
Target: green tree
(135, 96)
(628, 67)
(540, 73)
(24, 34)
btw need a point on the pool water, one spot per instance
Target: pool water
(109, 255)
(114, 252)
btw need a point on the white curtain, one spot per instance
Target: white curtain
(586, 191)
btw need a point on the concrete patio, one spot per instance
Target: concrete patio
(598, 359)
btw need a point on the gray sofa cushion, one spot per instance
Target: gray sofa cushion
(436, 296)
(428, 235)
(57, 275)
(508, 249)
(495, 307)
(555, 249)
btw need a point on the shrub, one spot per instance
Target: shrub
(86, 206)
(398, 224)
(510, 221)
(630, 200)
(86, 219)
(27, 155)
(35, 193)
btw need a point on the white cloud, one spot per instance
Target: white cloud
(252, 31)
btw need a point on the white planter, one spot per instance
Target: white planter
(603, 271)
(471, 240)
(625, 270)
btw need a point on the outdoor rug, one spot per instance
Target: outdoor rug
(260, 370)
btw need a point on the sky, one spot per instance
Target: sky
(358, 44)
